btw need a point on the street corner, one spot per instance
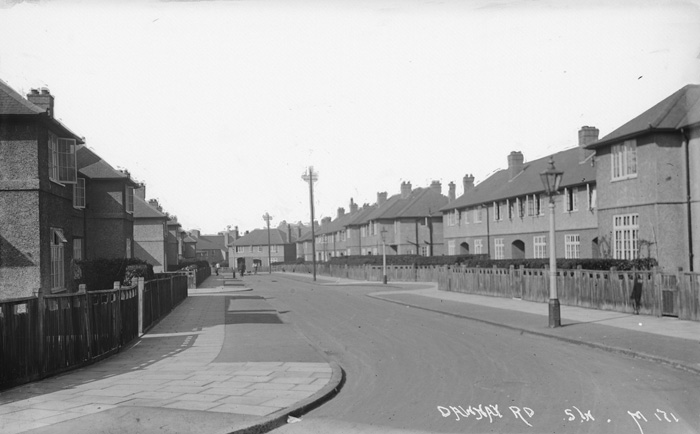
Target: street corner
(299, 408)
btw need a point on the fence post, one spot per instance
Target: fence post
(172, 296)
(40, 320)
(141, 287)
(88, 325)
(658, 307)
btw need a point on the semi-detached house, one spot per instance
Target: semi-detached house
(649, 183)
(507, 215)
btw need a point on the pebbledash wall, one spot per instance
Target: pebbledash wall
(30, 205)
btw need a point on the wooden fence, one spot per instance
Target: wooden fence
(44, 336)
(667, 294)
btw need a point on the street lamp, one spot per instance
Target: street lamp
(310, 177)
(383, 233)
(551, 178)
(267, 217)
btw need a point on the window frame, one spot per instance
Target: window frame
(623, 160)
(539, 246)
(498, 248)
(626, 236)
(57, 243)
(79, 199)
(572, 246)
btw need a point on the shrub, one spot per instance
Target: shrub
(100, 274)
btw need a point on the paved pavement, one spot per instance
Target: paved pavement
(221, 362)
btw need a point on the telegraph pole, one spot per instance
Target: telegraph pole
(311, 177)
(267, 217)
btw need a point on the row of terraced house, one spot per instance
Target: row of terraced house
(61, 202)
(632, 193)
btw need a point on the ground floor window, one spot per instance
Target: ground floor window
(77, 249)
(478, 247)
(626, 236)
(498, 248)
(451, 247)
(58, 278)
(572, 243)
(540, 246)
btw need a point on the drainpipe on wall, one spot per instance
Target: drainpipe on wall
(488, 240)
(686, 145)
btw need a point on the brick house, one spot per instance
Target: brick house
(649, 184)
(108, 213)
(507, 215)
(252, 248)
(150, 231)
(211, 248)
(409, 223)
(173, 244)
(37, 177)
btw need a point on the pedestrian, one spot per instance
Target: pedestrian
(217, 268)
(255, 268)
(637, 293)
(241, 268)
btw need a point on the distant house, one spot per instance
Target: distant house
(150, 231)
(252, 248)
(507, 215)
(211, 248)
(38, 175)
(173, 244)
(649, 184)
(408, 223)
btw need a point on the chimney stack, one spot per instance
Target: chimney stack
(141, 192)
(452, 194)
(289, 233)
(353, 206)
(381, 198)
(468, 182)
(405, 189)
(586, 136)
(515, 163)
(43, 99)
(194, 233)
(437, 186)
(341, 212)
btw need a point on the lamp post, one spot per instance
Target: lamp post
(383, 233)
(310, 177)
(551, 178)
(267, 217)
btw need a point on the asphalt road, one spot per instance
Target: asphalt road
(416, 370)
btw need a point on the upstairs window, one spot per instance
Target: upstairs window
(591, 196)
(624, 160)
(571, 199)
(79, 193)
(129, 202)
(62, 160)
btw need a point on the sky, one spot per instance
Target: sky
(219, 107)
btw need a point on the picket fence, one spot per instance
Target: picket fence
(663, 294)
(44, 336)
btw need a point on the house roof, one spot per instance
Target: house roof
(258, 237)
(211, 242)
(499, 186)
(681, 109)
(144, 210)
(422, 202)
(14, 104)
(93, 166)
(189, 239)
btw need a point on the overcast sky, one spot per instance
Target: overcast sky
(219, 107)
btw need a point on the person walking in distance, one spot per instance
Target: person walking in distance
(241, 268)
